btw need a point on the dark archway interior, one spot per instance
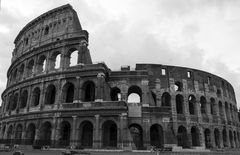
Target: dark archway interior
(45, 134)
(30, 134)
(18, 134)
(166, 99)
(179, 103)
(50, 94)
(36, 96)
(87, 134)
(207, 135)
(109, 134)
(182, 137)
(115, 94)
(195, 136)
(191, 102)
(65, 134)
(89, 90)
(23, 99)
(217, 138)
(156, 136)
(69, 93)
(137, 135)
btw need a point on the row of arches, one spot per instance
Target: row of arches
(215, 138)
(192, 106)
(44, 63)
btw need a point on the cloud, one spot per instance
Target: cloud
(197, 34)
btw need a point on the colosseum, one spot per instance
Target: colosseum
(50, 100)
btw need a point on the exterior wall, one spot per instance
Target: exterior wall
(90, 99)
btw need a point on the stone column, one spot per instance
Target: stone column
(42, 95)
(221, 138)
(145, 93)
(29, 98)
(100, 83)
(123, 139)
(146, 133)
(74, 138)
(201, 137)
(56, 134)
(77, 92)
(24, 132)
(96, 134)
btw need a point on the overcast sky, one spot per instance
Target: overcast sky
(201, 34)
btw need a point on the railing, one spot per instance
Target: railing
(157, 109)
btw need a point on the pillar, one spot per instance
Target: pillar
(77, 92)
(100, 85)
(123, 138)
(96, 134)
(146, 133)
(73, 141)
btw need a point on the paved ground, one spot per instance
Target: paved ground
(44, 152)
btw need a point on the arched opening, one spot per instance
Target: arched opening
(88, 91)
(178, 86)
(224, 134)
(207, 135)
(217, 138)
(54, 61)
(9, 133)
(23, 99)
(21, 71)
(154, 98)
(166, 99)
(3, 132)
(191, 104)
(109, 134)
(115, 94)
(231, 138)
(15, 102)
(45, 134)
(137, 135)
(182, 137)
(220, 107)
(30, 68)
(86, 134)
(203, 103)
(41, 66)
(50, 94)
(36, 96)
(226, 110)
(68, 91)
(18, 134)
(46, 30)
(73, 57)
(235, 138)
(30, 135)
(179, 104)
(65, 132)
(156, 136)
(14, 78)
(195, 136)
(212, 106)
(134, 94)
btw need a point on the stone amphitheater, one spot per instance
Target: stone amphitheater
(56, 96)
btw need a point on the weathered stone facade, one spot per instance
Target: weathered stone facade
(87, 104)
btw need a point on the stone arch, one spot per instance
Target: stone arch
(14, 76)
(166, 99)
(115, 94)
(45, 133)
(15, 101)
(182, 137)
(55, 60)
(41, 64)
(109, 135)
(50, 95)
(217, 137)
(3, 131)
(195, 136)
(178, 86)
(46, 30)
(213, 106)
(65, 133)
(137, 135)
(134, 94)
(191, 104)
(21, 71)
(179, 104)
(203, 105)
(10, 102)
(68, 92)
(72, 57)
(207, 136)
(154, 98)
(30, 135)
(36, 96)
(224, 135)
(86, 134)
(220, 107)
(88, 91)
(231, 138)
(156, 135)
(9, 133)
(30, 68)
(23, 99)
(226, 110)
(18, 134)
